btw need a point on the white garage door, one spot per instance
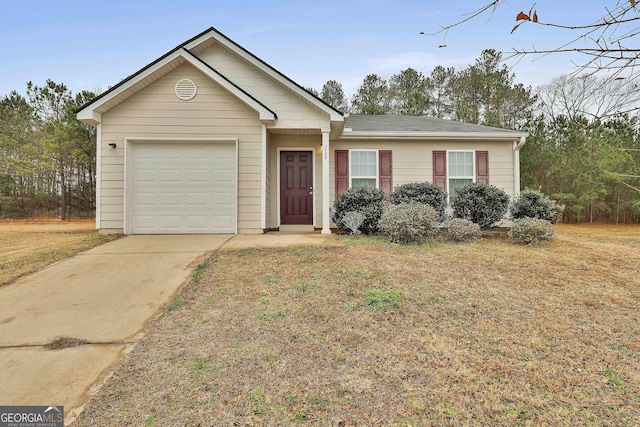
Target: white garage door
(182, 188)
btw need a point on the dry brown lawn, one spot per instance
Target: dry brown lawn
(27, 246)
(482, 334)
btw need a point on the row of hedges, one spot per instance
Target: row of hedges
(417, 211)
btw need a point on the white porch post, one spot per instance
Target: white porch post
(263, 184)
(326, 229)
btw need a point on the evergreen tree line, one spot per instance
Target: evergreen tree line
(581, 150)
(47, 157)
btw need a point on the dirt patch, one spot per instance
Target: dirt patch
(488, 333)
(60, 343)
(27, 246)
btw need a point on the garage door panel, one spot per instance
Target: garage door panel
(169, 176)
(147, 198)
(183, 188)
(145, 175)
(197, 199)
(197, 175)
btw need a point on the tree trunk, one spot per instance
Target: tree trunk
(63, 190)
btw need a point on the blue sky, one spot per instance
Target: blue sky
(89, 45)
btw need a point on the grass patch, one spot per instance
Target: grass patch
(376, 334)
(199, 271)
(386, 300)
(28, 247)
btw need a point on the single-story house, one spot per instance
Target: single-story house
(211, 139)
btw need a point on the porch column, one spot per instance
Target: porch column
(326, 229)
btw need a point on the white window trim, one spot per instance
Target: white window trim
(449, 176)
(351, 176)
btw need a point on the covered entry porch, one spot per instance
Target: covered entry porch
(297, 193)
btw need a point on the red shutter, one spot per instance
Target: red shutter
(482, 167)
(342, 170)
(440, 169)
(385, 166)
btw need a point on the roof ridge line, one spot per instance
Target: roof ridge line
(230, 81)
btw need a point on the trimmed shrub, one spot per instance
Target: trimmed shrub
(421, 192)
(482, 204)
(530, 231)
(462, 230)
(534, 204)
(409, 222)
(353, 220)
(366, 200)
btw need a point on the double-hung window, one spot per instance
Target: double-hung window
(453, 169)
(461, 169)
(364, 168)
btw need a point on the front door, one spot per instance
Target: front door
(296, 188)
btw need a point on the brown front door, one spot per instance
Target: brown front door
(296, 188)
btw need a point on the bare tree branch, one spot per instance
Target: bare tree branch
(612, 39)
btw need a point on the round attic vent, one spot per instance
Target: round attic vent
(186, 89)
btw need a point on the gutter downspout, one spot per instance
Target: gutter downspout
(516, 165)
(98, 175)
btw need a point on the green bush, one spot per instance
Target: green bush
(534, 204)
(367, 200)
(421, 192)
(409, 222)
(530, 231)
(462, 230)
(482, 204)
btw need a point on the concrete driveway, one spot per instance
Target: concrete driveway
(105, 296)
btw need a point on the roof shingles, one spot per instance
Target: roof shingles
(419, 124)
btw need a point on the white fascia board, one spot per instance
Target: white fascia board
(89, 114)
(266, 115)
(231, 45)
(133, 81)
(433, 135)
(89, 111)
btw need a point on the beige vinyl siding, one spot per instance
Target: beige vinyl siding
(292, 110)
(413, 160)
(304, 142)
(155, 112)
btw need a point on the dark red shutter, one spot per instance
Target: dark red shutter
(385, 166)
(440, 169)
(342, 170)
(482, 167)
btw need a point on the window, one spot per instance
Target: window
(364, 168)
(453, 169)
(460, 169)
(359, 167)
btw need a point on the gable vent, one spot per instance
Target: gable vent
(186, 89)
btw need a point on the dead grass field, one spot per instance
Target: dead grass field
(27, 246)
(481, 334)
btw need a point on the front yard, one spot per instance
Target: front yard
(488, 333)
(27, 246)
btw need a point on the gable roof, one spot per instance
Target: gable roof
(91, 111)
(259, 63)
(396, 126)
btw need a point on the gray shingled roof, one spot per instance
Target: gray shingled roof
(395, 123)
